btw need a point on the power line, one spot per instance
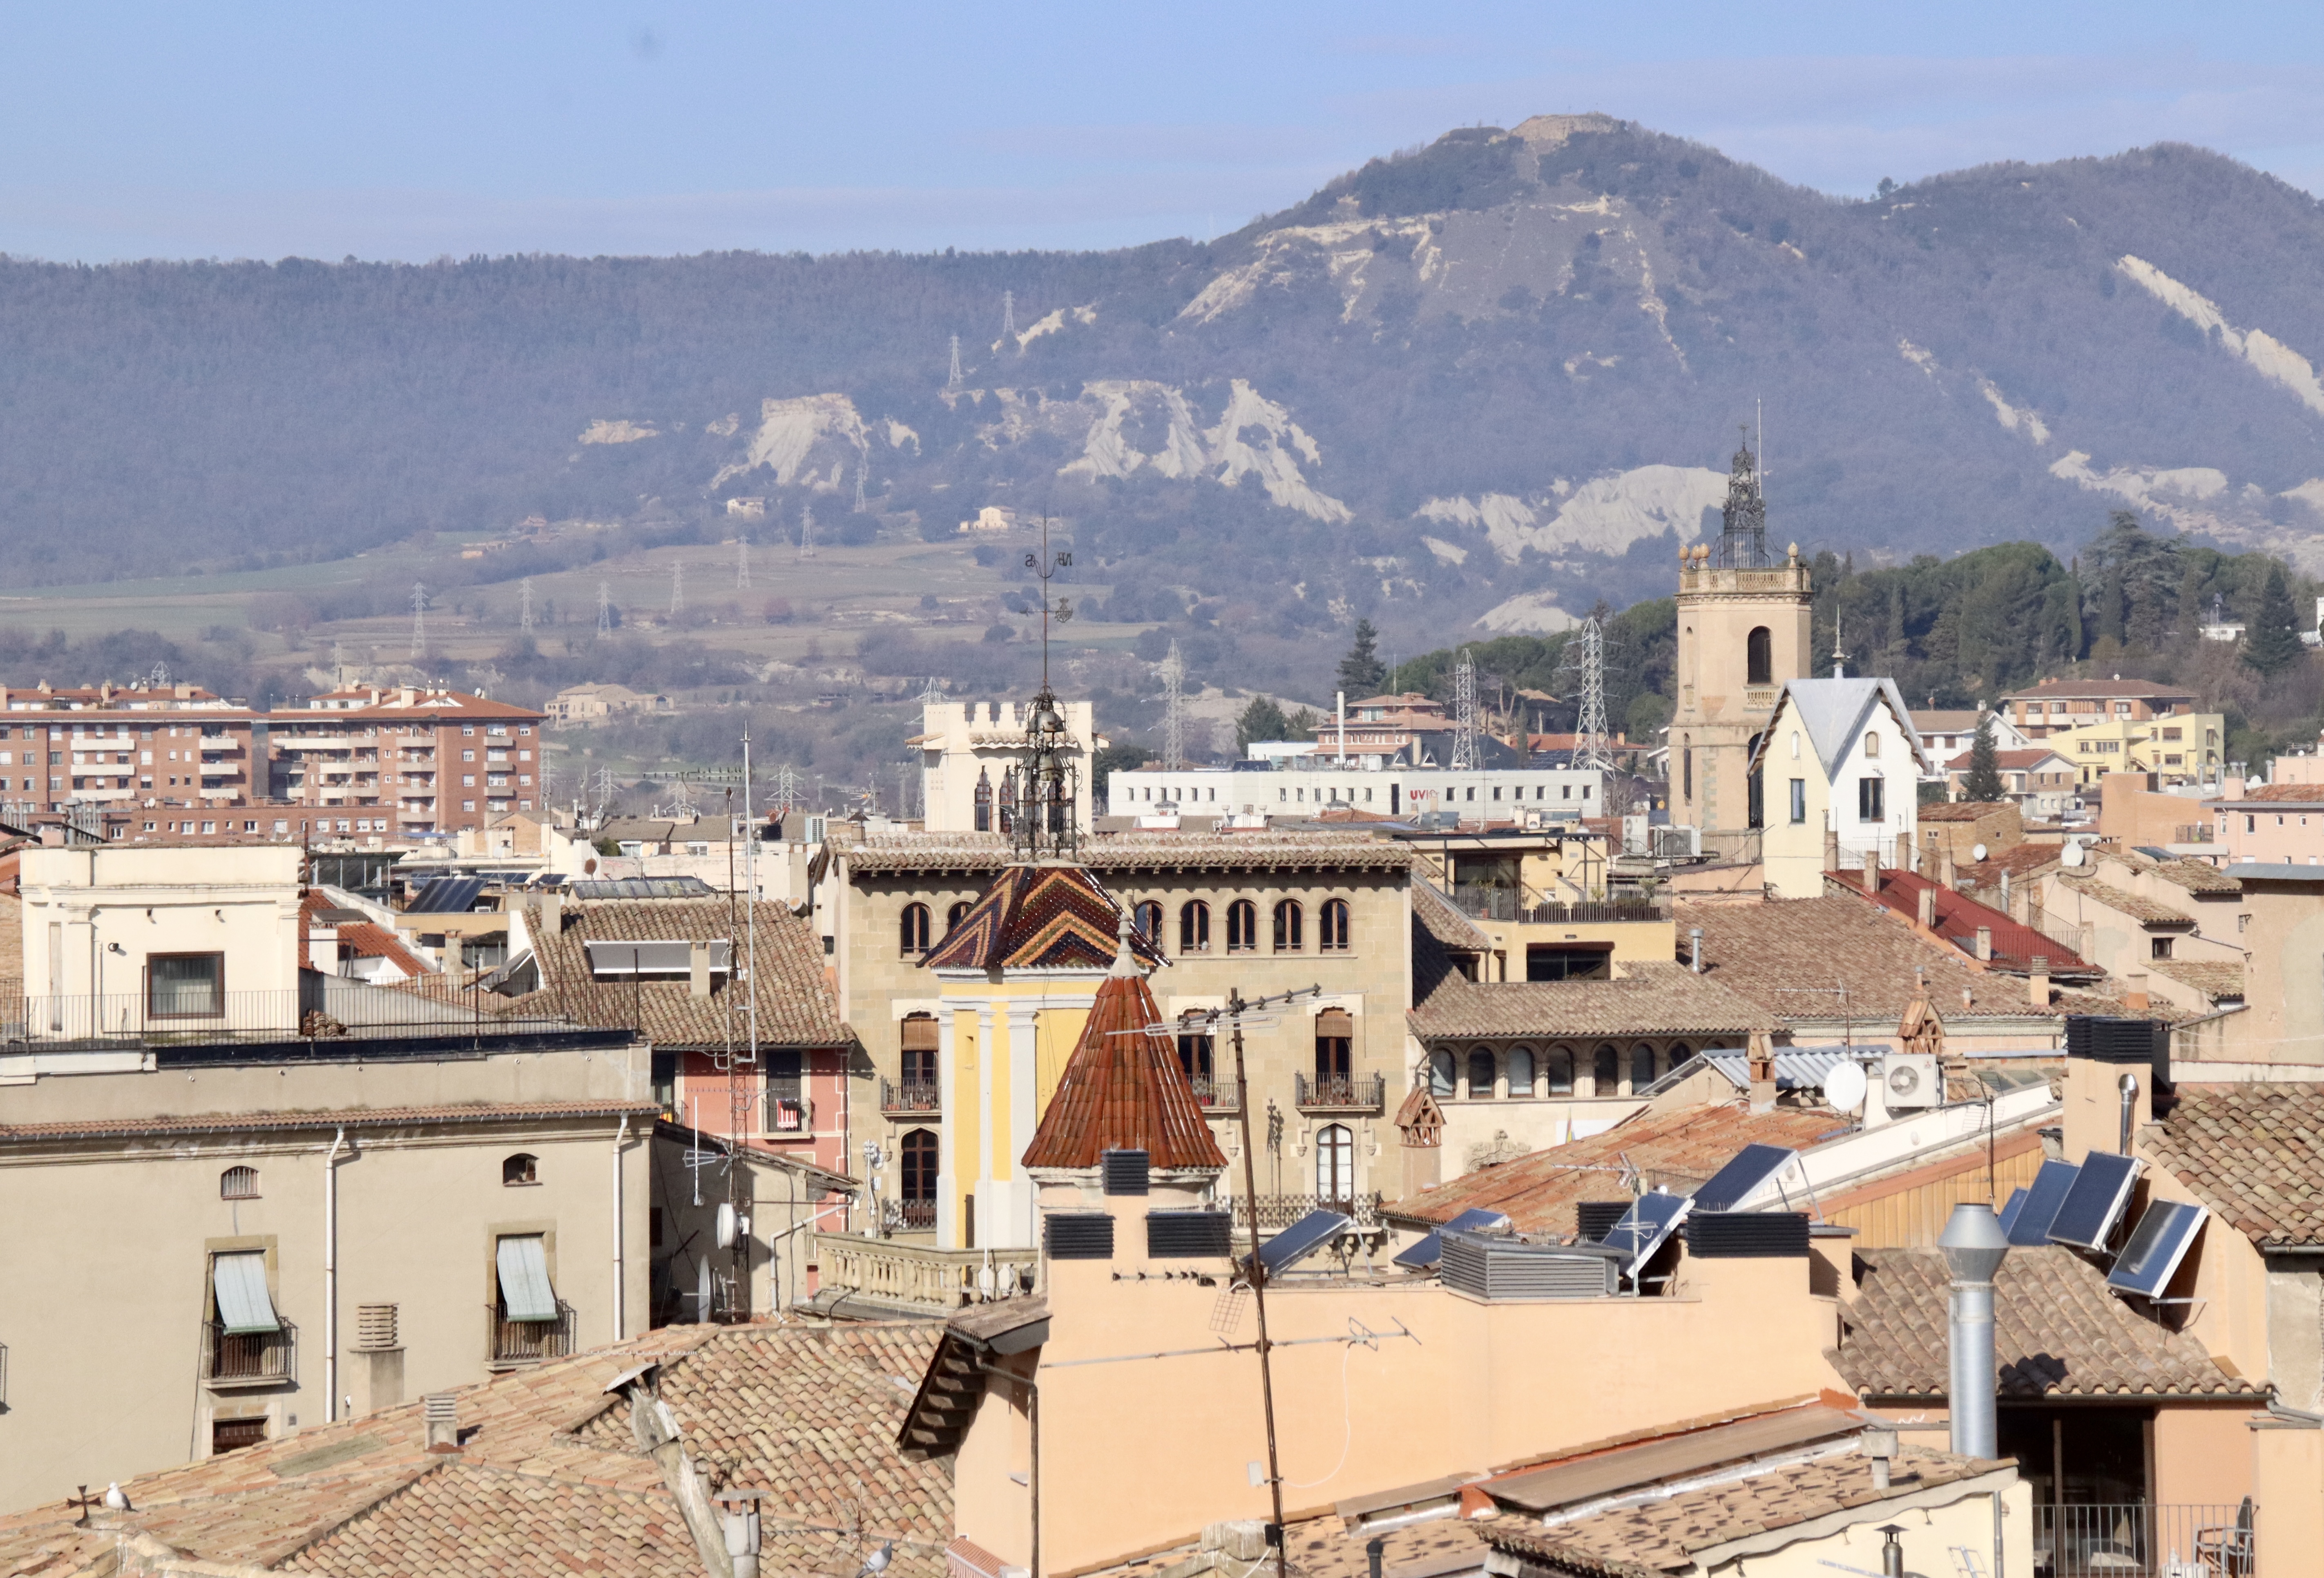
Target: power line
(418, 620)
(605, 609)
(1590, 747)
(806, 531)
(524, 603)
(1173, 710)
(742, 562)
(1465, 746)
(953, 382)
(863, 468)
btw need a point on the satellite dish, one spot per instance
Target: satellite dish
(1977, 853)
(726, 1225)
(1843, 1086)
(2073, 854)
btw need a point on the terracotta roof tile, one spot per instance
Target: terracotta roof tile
(1964, 810)
(2111, 689)
(2254, 1154)
(1676, 1150)
(2123, 902)
(1038, 917)
(1123, 1089)
(2059, 1331)
(2219, 980)
(1649, 1000)
(797, 1004)
(2019, 860)
(1444, 920)
(1959, 918)
(2277, 794)
(1140, 851)
(325, 1118)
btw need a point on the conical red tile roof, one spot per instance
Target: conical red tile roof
(1123, 1089)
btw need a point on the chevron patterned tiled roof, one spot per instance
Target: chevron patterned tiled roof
(1038, 917)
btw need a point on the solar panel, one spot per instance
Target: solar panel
(1430, 1249)
(2030, 1225)
(447, 896)
(2009, 1211)
(2095, 1204)
(1643, 1229)
(2157, 1244)
(1301, 1239)
(1747, 1172)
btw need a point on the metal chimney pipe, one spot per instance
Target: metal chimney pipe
(2128, 1086)
(1974, 1247)
(1694, 942)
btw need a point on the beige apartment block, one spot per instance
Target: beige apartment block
(967, 748)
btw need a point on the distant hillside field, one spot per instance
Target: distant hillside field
(1468, 390)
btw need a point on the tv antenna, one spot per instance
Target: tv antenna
(524, 603)
(1465, 745)
(418, 620)
(605, 609)
(953, 382)
(1044, 819)
(742, 562)
(1173, 669)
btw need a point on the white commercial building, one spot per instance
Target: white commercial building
(1305, 785)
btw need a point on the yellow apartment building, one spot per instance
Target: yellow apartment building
(2186, 747)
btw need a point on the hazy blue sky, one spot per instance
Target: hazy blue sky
(414, 131)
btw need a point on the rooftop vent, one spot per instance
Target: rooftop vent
(1598, 1217)
(1499, 1268)
(1187, 1235)
(441, 1411)
(1125, 1171)
(1747, 1235)
(1078, 1235)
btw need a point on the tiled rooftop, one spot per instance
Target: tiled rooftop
(2277, 794)
(1964, 810)
(2254, 1154)
(2217, 979)
(1123, 1089)
(2123, 902)
(551, 1481)
(1676, 1150)
(1038, 917)
(1650, 999)
(325, 1118)
(2059, 1332)
(1959, 918)
(2109, 690)
(1198, 851)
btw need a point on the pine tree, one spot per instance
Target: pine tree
(1984, 779)
(2272, 643)
(1361, 672)
(1261, 720)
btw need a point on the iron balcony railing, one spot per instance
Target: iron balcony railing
(1354, 1093)
(249, 1357)
(322, 1007)
(1489, 903)
(910, 1095)
(911, 1215)
(1215, 1094)
(789, 1112)
(2138, 1539)
(1280, 1211)
(530, 1342)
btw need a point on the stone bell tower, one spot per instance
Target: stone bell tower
(1743, 630)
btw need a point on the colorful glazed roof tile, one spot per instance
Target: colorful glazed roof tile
(1123, 1088)
(1038, 917)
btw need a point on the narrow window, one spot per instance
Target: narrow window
(983, 801)
(242, 1183)
(1686, 772)
(914, 929)
(1606, 1070)
(1480, 1075)
(1642, 1067)
(1195, 1056)
(1872, 744)
(918, 1154)
(921, 1037)
(519, 1168)
(1289, 923)
(1518, 1071)
(1333, 937)
(1799, 800)
(1336, 1168)
(1147, 918)
(953, 916)
(1759, 657)
(788, 1112)
(1242, 926)
(1870, 805)
(1440, 1075)
(1335, 1033)
(1194, 927)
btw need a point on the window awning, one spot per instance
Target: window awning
(240, 1281)
(524, 1279)
(656, 958)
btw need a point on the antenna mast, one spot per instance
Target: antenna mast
(1465, 744)
(862, 467)
(1173, 710)
(418, 620)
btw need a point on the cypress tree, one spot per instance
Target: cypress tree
(1984, 779)
(1361, 672)
(2272, 643)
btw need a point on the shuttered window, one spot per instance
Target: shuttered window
(244, 1304)
(524, 1279)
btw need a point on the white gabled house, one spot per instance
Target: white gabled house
(1840, 762)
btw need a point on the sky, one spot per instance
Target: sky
(417, 131)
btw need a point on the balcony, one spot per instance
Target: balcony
(516, 1344)
(789, 1112)
(1342, 1092)
(2138, 1539)
(917, 1096)
(883, 1274)
(1487, 903)
(1215, 1096)
(234, 1359)
(1277, 1211)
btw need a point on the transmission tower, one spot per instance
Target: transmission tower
(1586, 654)
(1465, 751)
(806, 531)
(418, 620)
(862, 465)
(677, 585)
(605, 609)
(953, 382)
(524, 603)
(787, 790)
(605, 790)
(548, 778)
(1009, 315)
(742, 562)
(1173, 669)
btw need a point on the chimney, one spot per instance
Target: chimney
(1694, 944)
(442, 1413)
(738, 1516)
(1928, 914)
(2037, 985)
(1879, 1444)
(1831, 849)
(553, 915)
(1872, 870)
(697, 960)
(2134, 992)
(1985, 942)
(1762, 1060)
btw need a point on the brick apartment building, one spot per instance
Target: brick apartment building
(127, 746)
(411, 760)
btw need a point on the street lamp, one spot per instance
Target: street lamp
(1974, 1245)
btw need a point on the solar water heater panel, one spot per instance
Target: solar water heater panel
(1745, 1172)
(1644, 1228)
(1301, 1239)
(2096, 1202)
(1428, 1250)
(2048, 1191)
(2157, 1244)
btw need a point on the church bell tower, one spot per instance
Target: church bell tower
(1743, 630)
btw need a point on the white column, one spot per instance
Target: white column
(987, 1049)
(948, 1223)
(1024, 1113)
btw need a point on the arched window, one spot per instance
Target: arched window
(914, 929)
(1147, 918)
(953, 916)
(1759, 657)
(519, 1168)
(1336, 1168)
(922, 1038)
(1642, 1067)
(1194, 927)
(1606, 1070)
(917, 1153)
(1561, 1071)
(1331, 933)
(1480, 1074)
(1195, 1056)
(1289, 922)
(238, 1184)
(1520, 1070)
(983, 801)
(1872, 742)
(1679, 1053)
(1242, 926)
(1335, 1045)
(1441, 1082)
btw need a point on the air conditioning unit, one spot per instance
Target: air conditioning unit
(1910, 1081)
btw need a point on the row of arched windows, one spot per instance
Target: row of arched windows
(913, 935)
(1603, 1070)
(1286, 934)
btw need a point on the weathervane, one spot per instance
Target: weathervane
(1042, 821)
